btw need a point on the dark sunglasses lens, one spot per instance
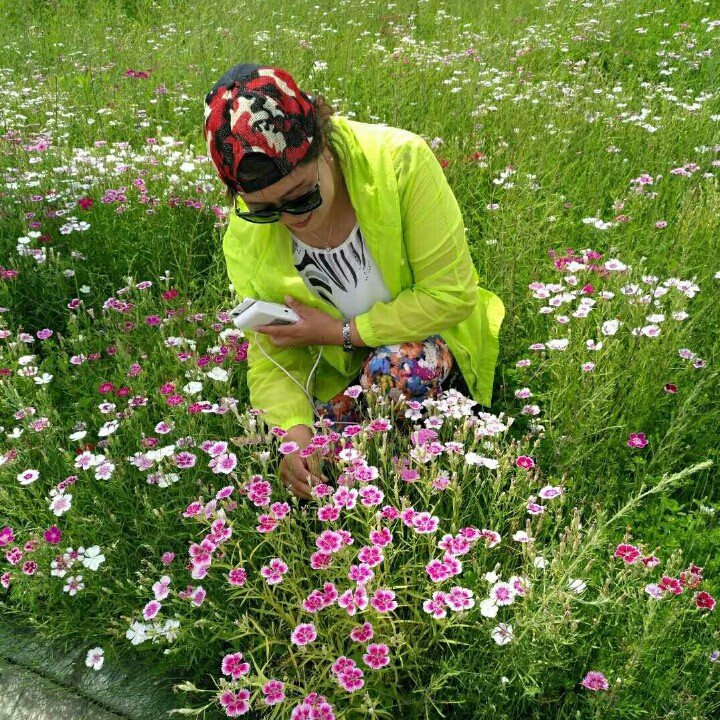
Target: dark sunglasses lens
(304, 204)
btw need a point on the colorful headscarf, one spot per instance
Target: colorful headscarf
(257, 109)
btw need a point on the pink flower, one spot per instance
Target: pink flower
(151, 610)
(425, 523)
(288, 447)
(52, 535)
(670, 388)
(167, 558)
(379, 425)
(381, 537)
(669, 584)
(376, 656)
(629, 553)
(525, 462)
(372, 555)
(460, 598)
(595, 681)
(704, 601)
(383, 600)
(273, 572)
(637, 440)
(329, 541)
(303, 634)
(361, 574)
(502, 593)
(234, 666)
(353, 601)
(273, 691)
(362, 633)
(237, 577)
(437, 570)
(235, 704)
(436, 606)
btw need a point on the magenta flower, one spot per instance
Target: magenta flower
(235, 704)
(595, 681)
(376, 656)
(52, 535)
(234, 666)
(383, 600)
(303, 634)
(273, 691)
(273, 572)
(704, 601)
(151, 610)
(637, 440)
(362, 633)
(436, 606)
(237, 576)
(525, 462)
(629, 553)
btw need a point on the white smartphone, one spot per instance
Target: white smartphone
(251, 312)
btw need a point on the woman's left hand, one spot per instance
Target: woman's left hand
(315, 327)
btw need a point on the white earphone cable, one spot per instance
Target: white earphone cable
(305, 389)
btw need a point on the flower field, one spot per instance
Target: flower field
(552, 556)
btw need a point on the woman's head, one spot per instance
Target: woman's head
(260, 128)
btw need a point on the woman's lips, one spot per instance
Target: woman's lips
(303, 223)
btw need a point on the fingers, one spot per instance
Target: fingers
(299, 479)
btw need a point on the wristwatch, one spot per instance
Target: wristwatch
(347, 341)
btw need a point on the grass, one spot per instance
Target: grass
(568, 103)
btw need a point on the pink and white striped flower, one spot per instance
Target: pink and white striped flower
(273, 572)
(303, 634)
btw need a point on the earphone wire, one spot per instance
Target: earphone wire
(305, 389)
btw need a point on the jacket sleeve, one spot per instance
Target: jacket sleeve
(270, 388)
(445, 280)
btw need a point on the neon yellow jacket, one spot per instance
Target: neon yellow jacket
(414, 230)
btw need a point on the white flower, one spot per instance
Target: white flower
(28, 476)
(95, 658)
(472, 458)
(491, 577)
(60, 504)
(577, 586)
(610, 327)
(193, 388)
(25, 359)
(502, 634)
(74, 584)
(559, 344)
(218, 373)
(93, 558)
(614, 264)
(44, 379)
(108, 428)
(521, 536)
(488, 608)
(137, 633)
(540, 562)
(78, 435)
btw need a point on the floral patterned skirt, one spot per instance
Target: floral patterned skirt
(415, 369)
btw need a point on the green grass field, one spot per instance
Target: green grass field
(582, 141)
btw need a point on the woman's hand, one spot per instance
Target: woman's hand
(314, 327)
(299, 474)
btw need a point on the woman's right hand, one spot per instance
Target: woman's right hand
(293, 471)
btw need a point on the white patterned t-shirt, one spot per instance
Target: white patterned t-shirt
(346, 276)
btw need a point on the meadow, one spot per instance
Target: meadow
(551, 556)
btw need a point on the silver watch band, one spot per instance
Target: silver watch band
(347, 341)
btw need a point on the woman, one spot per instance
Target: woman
(354, 227)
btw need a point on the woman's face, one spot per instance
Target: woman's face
(299, 182)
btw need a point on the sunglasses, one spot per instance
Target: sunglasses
(297, 206)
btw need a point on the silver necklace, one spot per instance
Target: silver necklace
(328, 246)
